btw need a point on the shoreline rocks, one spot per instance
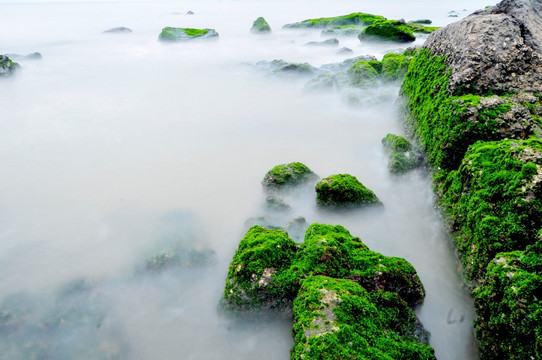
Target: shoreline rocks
(343, 190)
(472, 94)
(173, 34)
(7, 66)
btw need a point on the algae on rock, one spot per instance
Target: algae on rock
(343, 190)
(183, 34)
(260, 26)
(287, 175)
(402, 155)
(350, 19)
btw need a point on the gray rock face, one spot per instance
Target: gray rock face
(498, 49)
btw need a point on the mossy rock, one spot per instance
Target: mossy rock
(391, 30)
(494, 200)
(447, 125)
(343, 190)
(394, 66)
(421, 21)
(260, 26)
(329, 42)
(332, 251)
(276, 204)
(339, 319)
(350, 19)
(256, 274)
(345, 30)
(418, 28)
(288, 175)
(363, 73)
(7, 67)
(183, 34)
(268, 267)
(509, 306)
(402, 155)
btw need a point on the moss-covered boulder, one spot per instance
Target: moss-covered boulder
(394, 66)
(364, 73)
(260, 26)
(350, 19)
(287, 175)
(184, 34)
(495, 200)
(257, 275)
(275, 203)
(339, 319)
(402, 155)
(343, 190)
(509, 305)
(392, 30)
(421, 21)
(7, 67)
(268, 267)
(332, 251)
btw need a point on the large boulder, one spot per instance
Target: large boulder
(494, 50)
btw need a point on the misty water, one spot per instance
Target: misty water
(118, 147)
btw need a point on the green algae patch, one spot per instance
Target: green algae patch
(183, 34)
(350, 19)
(367, 73)
(391, 30)
(339, 319)
(402, 156)
(256, 274)
(509, 306)
(446, 124)
(394, 66)
(343, 190)
(419, 28)
(495, 200)
(288, 175)
(260, 26)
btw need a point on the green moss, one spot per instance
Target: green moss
(388, 30)
(256, 273)
(394, 66)
(495, 200)
(421, 21)
(260, 26)
(338, 319)
(402, 155)
(286, 175)
(7, 67)
(182, 34)
(447, 125)
(343, 190)
(350, 19)
(277, 204)
(363, 73)
(509, 306)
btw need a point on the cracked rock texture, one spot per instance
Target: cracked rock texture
(497, 50)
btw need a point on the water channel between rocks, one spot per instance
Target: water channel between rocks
(113, 145)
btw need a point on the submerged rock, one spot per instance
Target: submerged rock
(345, 50)
(350, 19)
(120, 29)
(345, 30)
(288, 175)
(32, 56)
(183, 34)
(328, 42)
(260, 26)
(7, 67)
(421, 21)
(276, 204)
(343, 190)
(402, 155)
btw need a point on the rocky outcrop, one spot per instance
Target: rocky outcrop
(287, 175)
(497, 50)
(324, 278)
(402, 155)
(473, 96)
(120, 29)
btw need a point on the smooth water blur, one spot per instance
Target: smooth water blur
(116, 147)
